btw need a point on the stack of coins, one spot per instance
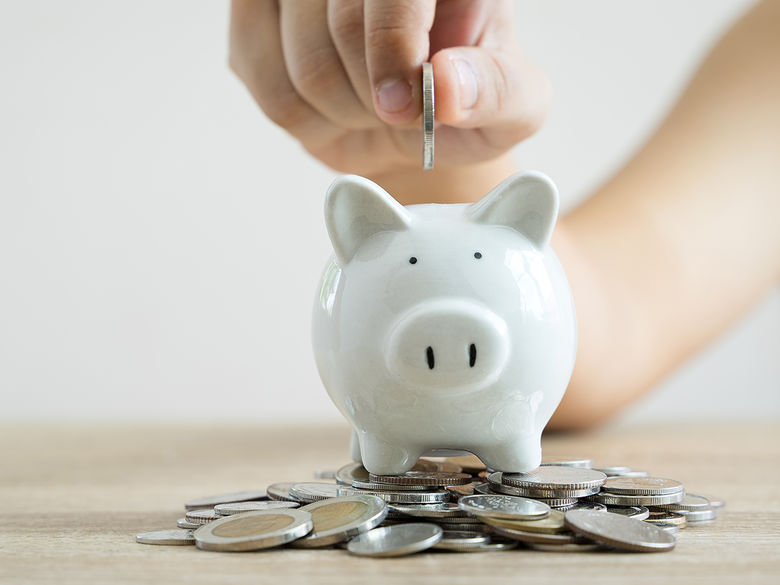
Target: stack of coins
(449, 504)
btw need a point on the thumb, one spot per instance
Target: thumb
(483, 87)
(396, 33)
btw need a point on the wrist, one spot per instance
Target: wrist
(455, 184)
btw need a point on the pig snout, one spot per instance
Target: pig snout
(448, 344)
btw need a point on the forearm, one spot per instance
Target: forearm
(685, 238)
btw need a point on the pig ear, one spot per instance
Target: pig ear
(355, 210)
(526, 202)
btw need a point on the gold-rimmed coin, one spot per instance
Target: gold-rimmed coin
(254, 530)
(166, 537)
(553, 523)
(338, 519)
(620, 531)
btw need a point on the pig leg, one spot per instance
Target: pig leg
(519, 454)
(385, 458)
(354, 447)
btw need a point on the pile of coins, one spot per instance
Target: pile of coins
(451, 504)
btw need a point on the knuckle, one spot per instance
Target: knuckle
(391, 25)
(390, 36)
(345, 21)
(315, 73)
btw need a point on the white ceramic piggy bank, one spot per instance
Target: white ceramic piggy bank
(444, 326)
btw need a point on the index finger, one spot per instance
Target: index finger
(397, 43)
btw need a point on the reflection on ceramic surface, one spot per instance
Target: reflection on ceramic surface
(444, 326)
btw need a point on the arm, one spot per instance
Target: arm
(683, 240)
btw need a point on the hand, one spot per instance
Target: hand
(344, 77)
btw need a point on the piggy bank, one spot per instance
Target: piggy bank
(444, 327)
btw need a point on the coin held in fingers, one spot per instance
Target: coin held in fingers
(428, 114)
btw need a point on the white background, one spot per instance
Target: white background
(160, 241)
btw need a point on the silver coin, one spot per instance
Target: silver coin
(443, 510)
(201, 516)
(355, 475)
(553, 502)
(551, 524)
(610, 499)
(671, 528)
(398, 497)
(537, 537)
(397, 540)
(589, 506)
(558, 503)
(463, 526)
(614, 471)
(389, 521)
(462, 541)
(619, 531)
(568, 461)
(428, 115)
(642, 486)
(659, 515)
(239, 507)
(503, 506)
(457, 520)
(254, 530)
(542, 494)
(338, 519)
(497, 544)
(184, 524)
(168, 537)
(485, 489)
(691, 502)
(567, 548)
(635, 512)
(715, 502)
(373, 485)
(211, 501)
(423, 478)
(280, 491)
(553, 477)
(313, 491)
(498, 485)
(350, 473)
(693, 516)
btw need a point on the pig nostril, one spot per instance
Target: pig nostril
(429, 356)
(472, 355)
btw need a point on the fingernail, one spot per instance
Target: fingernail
(394, 95)
(467, 79)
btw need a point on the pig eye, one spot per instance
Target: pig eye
(412, 260)
(477, 255)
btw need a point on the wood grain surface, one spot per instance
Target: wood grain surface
(74, 498)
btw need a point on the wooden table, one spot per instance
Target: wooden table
(74, 498)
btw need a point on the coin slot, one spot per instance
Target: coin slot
(429, 357)
(472, 353)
